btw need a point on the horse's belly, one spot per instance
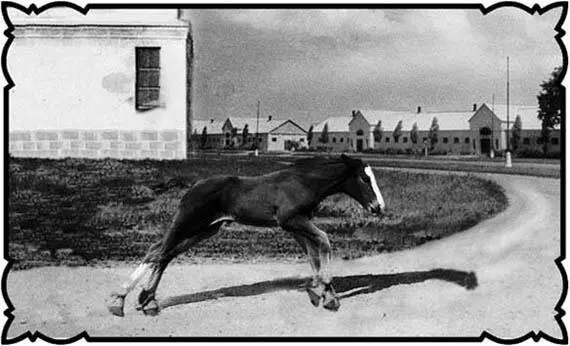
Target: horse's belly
(255, 213)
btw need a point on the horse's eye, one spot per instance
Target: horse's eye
(365, 178)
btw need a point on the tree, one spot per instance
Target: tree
(550, 105)
(324, 138)
(516, 134)
(414, 134)
(204, 138)
(397, 131)
(234, 133)
(310, 136)
(245, 134)
(378, 131)
(433, 132)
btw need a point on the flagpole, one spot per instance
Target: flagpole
(508, 162)
(257, 130)
(492, 154)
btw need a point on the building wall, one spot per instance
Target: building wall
(448, 141)
(288, 131)
(338, 141)
(358, 123)
(74, 92)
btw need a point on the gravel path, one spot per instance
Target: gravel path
(426, 291)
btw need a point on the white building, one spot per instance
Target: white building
(338, 134)
(474, 131)
(112, 83)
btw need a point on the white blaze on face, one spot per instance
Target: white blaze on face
(374, 185)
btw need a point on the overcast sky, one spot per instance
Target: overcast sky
(310, 64)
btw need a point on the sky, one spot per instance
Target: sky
(309, 64)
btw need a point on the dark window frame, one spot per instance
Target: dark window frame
(147, 78)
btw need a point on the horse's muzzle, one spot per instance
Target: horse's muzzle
(376, 209)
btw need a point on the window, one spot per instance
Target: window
(554, 141)
(526, 141)
(147, 81)
(387, 139)
(405, 139)
(302, 140)
(466, 140)
(485, 131)
(455, 140)
(274, 139)
(341, 139)
(445, 140)
(496, 144)
(540, 141)
(334, 139)
(360, 133)
(396, 139)
(424, 139)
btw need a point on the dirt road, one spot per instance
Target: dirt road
(426, 291)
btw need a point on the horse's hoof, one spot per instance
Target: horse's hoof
(116, 304)
(331, 301)
(332, 304)
(314, 297)
(316, 293)
(151, 309)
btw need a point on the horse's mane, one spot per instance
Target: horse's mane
(324, 164)
(315, 162)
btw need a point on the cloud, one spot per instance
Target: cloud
(326, 22)
(336, 59)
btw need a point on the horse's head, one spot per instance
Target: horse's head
(361, 185)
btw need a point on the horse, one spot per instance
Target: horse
(286, 198)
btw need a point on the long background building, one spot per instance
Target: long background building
(473, 132)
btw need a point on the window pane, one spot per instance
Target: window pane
(148, 57)
(148, 78)
(147, 96)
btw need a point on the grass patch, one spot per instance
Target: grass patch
(81, 212)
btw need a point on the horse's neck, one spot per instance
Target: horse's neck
(328, 182)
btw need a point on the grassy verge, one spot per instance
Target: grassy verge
(82, 212)
(548, 168)
(477, 167)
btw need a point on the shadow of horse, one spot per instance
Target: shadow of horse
(346, 286)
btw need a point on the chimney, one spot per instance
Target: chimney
(419, 109)
(474, 107)
(269, 118)
(211, 121)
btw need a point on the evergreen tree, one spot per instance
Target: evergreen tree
(310, 136)
(204, 138)
(378, 131)
(550, 105)
(433, 132)
(397, 132)
(414, 134)
(324, 138)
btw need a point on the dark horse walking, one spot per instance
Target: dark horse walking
(285, 198)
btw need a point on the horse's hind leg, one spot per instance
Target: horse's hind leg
(172, 247)
(117, 299)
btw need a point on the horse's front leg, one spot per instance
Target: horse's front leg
(320, 253)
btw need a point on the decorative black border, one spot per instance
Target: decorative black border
(484, 335)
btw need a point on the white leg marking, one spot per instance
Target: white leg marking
(136, 276)
(370, 174)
